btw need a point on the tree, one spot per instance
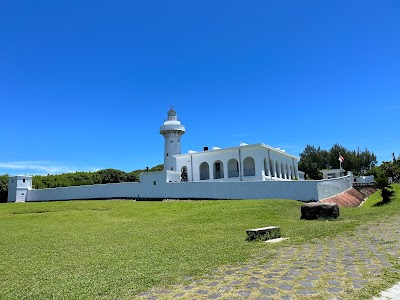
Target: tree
(312, 160)
(3, 188)
(387, 191)
(112, 176)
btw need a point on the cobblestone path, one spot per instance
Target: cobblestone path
(335, 268)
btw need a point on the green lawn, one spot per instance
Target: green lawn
(115, 249)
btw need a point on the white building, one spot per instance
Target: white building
(254, 171)
(332, 173)
(258, 162)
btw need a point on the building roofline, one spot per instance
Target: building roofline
(240, 147)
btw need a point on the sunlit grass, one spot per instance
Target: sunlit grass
(115, 249)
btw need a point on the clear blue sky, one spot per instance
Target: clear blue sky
(85, 85)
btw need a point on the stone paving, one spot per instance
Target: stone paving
(391, 294)
(336, 268)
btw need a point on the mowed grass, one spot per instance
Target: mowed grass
(115, 249)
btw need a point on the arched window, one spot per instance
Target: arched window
(184, 175)
(204, 171)
(292, 172)
(218, 169)
(287, 172)
(266, 167)
(249, 167)
(278, 173)
(233, 168)
(283, 172)
(271, 166)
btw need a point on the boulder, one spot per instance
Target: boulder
(317, 210)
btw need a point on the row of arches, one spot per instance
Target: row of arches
(279, 169)
(271, 168)
(233, 169)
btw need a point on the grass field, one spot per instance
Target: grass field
(115, 249)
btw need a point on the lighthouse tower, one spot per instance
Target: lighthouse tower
(172, 130)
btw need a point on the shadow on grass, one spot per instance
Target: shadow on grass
(387, 197)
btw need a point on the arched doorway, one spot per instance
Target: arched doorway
(204, 171)
(233, 168)
(218, 169)
(249, 167)
(184, 174)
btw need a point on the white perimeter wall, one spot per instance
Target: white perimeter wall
(157, 187)
(331, 187)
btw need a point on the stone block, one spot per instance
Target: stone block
(264, 233)
(317, 210)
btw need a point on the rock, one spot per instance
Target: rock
(317, 210)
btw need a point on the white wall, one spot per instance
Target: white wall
(97, 191)
(154, 185)
(331, 187)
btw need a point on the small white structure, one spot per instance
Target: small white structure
(365, 179)
(332, 173)
(172, 130)
(18, 188)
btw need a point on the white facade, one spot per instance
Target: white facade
(172, 130)
(257, 162)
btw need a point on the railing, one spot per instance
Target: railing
(249, 172)
(204, 176)
(218, 175)
(233, 173)
(364, 183)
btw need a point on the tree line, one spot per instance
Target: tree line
(78, 178)
(313, 160)
(387, 169)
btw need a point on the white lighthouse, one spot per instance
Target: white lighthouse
(172, 130)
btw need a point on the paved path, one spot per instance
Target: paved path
(343, 267)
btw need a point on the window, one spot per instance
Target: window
(23, 180)
(167, 154)
(172, 168)
(154, 182)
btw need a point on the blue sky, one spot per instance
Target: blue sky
(85, 85)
